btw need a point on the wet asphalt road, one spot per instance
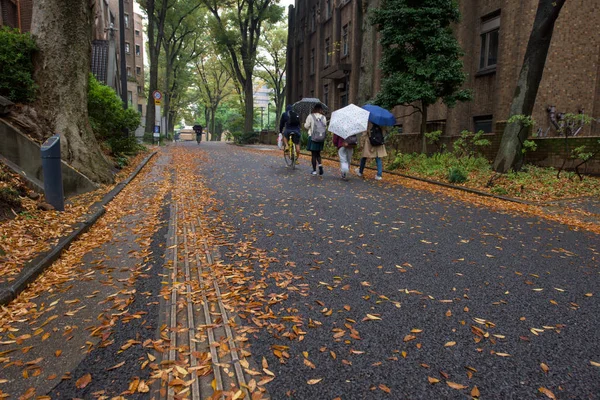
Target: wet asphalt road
(420, 262)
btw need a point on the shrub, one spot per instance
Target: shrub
(16, 51)
(457, 175)
(109, 119)
(245, 138)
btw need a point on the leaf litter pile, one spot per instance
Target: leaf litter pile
(33, 231)
(76, 303)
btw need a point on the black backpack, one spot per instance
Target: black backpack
(376, 136)
(293, 118)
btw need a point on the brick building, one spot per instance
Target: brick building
(333, 54)
(16, 14)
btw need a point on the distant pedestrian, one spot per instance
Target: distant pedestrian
(372, 147)
(345, 151)
(316, 123)
(289, 126)
(198, 129)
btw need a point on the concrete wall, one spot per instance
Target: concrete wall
(25, 154)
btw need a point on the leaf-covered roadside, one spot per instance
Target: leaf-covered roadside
(33, 231)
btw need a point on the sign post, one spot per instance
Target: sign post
(157, 95)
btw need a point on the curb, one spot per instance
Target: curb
(35, 267)
(448, 185)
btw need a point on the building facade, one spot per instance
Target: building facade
(334, 52)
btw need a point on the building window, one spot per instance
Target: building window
(138, 50)
(140, 108)
(483, 123)
(325, 94)
(300, 69)
(313, 20)
(327, 50)
(345, 40)
(130, 97)
(129, 71)
(490, 29)
(437, 125)
(312, 61)
(126, 21)
(127, 48)
(328, 9)
(138, 70)
(137, 32)
(139, 89)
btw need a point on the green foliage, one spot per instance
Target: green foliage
(434, 138)
(16, 50)
(499, 190)
(402, 161)
(109, 119)
(524, 120)
(421, 57)
(457, 175)
(528, 146)
(468, 144)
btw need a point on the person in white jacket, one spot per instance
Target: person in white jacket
(315, 147)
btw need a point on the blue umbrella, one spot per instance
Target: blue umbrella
(380, 116)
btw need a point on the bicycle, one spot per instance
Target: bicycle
(289, 153)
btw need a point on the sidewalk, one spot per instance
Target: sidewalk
(134, 306)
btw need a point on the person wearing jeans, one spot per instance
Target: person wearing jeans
(370, 151)
(345, 152)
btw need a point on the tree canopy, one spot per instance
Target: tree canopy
(421, 60)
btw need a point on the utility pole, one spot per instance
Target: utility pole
(123, 62)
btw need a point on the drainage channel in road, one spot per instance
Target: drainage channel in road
(202, 360)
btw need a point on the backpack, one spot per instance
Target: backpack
(376, 136)
(351, 141)
(293, 118)
(319, 131)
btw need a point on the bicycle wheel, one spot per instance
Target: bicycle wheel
(293, 156)
(287, 156)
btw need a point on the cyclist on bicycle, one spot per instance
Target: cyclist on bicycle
(198, 130)
(289, 125)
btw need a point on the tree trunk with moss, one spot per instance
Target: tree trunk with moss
(63, 32)
(510, 155)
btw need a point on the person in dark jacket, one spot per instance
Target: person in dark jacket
(289, 125)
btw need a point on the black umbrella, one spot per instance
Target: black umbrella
(305, 106)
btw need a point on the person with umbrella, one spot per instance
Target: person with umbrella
(372, 147)
(289, 125)
(373, 140)
(346, 123)
(315, 120)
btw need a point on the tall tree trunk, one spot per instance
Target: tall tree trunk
(63, 33)
(509, 154)
(166, 108)
(249, 105)
(213, 113)
(156, 27)
(424, 107)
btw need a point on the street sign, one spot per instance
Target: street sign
(156, 131)
(157, 95)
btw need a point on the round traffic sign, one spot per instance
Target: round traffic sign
(157, 95)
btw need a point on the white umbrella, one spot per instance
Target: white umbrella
(349, 121)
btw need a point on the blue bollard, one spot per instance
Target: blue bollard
(51, 168)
